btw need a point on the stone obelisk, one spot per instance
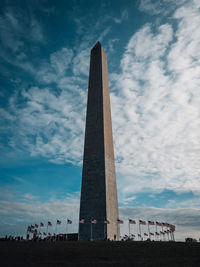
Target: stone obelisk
(99, 190)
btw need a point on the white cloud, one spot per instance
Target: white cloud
(192, 202)
(156, 111)
(151, 7)
(61, 59)
(50, 125)
(127, 200)
(56, 68)
(81, 62)
(156, 7)
(29, 196)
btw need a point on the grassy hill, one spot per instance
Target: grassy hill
(102, 254)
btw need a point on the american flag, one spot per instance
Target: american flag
(142, 222)
(139, 235)
(106, 222)
(133, 235)
(151, 223)
(82, 221)
(49, 234)
(36, 225)
(151, 233)
(157, 233)
(32, 226)
(145, 234)
(58, 222)
(158, 223)
(120, 221)
(172, 227)
(94, 221)
(49, 224)
(162, 232)
(44, 233)
(69, 221)
(132, 221)
(41, 224)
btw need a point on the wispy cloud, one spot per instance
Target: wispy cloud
(154, 8)
(111, 44)
(29, 196)
(124, 16)
(50, 125)
(52, 70)
(18, 31)
(19, 179)
(127, 200)
(163, 7)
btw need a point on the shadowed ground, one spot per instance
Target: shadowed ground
(102, 254)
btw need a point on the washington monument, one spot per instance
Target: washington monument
(98, 205)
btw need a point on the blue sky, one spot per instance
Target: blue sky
(154, 69)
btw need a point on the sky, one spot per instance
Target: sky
(154, 77)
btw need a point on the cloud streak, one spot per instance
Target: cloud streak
(18, 31)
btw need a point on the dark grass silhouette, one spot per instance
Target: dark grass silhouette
(97, 254)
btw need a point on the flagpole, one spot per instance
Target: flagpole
(66, 229)
(78, 228)
(129, 230)
(149, 231)
(173, 235)
(104, 227)
(140, 231)
(156, 233)
(118, 237)
(56, 227)
(91, 231)
(47, 228)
